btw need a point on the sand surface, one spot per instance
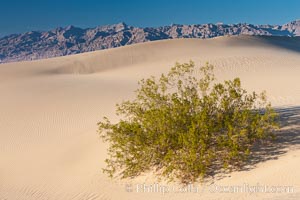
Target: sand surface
(49, 147)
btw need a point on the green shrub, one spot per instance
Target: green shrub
(184, 125)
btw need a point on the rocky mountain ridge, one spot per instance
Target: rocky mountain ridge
(72, 40)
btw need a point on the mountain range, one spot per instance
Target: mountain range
(72, 40)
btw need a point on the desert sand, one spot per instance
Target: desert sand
(49, 146)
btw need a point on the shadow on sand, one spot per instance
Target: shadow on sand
(287, 138)
(289, 43)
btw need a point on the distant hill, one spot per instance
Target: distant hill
(72, 40)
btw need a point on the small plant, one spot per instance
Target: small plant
(184, 125)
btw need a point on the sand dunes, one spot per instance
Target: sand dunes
(49, 148)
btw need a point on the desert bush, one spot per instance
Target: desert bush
(184, 125)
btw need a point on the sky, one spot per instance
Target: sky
(19, 16)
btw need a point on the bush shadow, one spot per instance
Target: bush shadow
(287, 138)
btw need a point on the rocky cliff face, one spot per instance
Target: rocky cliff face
(71, 40)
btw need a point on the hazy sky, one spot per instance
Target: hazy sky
(26, 15)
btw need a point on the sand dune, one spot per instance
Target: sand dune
(49, 148)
